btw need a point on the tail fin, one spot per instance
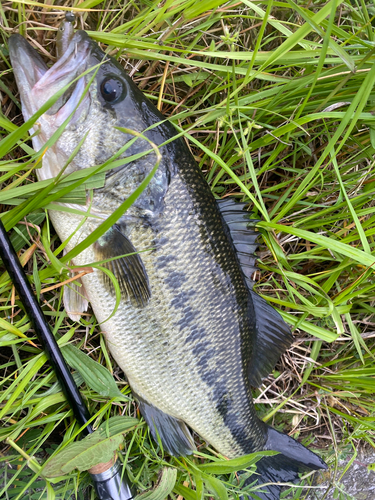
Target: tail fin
(293, 458)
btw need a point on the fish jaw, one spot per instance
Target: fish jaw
(28, 68)
(37, 83)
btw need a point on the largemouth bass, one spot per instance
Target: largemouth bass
(190, 334)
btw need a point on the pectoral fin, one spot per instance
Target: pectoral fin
(74, 298)
(128, 269)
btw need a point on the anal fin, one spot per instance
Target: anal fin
(173, 433)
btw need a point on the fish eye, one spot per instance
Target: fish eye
(112, 89)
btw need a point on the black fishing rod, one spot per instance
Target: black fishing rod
(109, 484)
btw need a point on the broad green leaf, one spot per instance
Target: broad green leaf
(119, 425)
(82, 455)
(96, 376)
(235, 464)
(185, 492)
(98, 447)
(164, 487)
(187, 79)
(199, 485)
(56, 387)
(216, 487)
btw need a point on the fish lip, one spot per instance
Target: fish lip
(36, 82)
(28, 66)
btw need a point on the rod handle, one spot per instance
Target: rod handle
(111, 484)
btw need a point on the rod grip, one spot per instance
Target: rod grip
(111, 484)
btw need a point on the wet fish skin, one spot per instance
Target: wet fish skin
(188, 333)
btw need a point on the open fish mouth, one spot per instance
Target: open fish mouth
(37, 83)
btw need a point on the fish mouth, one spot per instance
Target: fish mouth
(37, 83)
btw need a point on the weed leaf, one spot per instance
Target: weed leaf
(235, 464)
(98, 447)
(96, 376)
(163, 488)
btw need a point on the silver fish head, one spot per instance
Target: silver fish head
(101, 98)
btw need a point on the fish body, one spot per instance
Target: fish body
(189, 332)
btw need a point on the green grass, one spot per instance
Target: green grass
(277, 103)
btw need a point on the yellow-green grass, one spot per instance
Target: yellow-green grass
(276, 101)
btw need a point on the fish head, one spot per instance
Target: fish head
(100, 99)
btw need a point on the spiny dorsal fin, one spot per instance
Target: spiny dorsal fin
(242, 234)
(273, 337)
(173, 432)
(129, 271)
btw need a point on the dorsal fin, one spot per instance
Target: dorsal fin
(129, 270)
(272, 335)
(242, 233)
